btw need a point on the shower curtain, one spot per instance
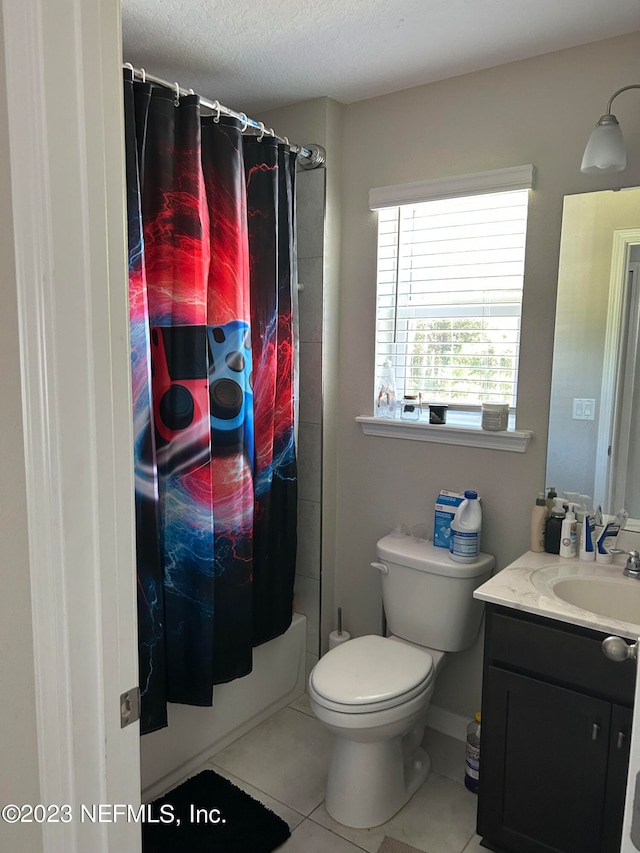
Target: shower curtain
(211, 273)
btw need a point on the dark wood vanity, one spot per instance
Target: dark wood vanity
(556, 726)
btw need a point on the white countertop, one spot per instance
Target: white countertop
(522, 586)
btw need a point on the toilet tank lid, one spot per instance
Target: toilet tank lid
(426, 557)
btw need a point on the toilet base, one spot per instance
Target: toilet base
(369, 782)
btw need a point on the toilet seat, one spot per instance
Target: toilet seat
(370, 674)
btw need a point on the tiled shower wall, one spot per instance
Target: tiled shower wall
(311, 216)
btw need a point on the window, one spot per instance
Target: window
(449, 286)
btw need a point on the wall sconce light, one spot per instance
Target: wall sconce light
(605, 150)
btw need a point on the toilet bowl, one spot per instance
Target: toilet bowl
(372, 693)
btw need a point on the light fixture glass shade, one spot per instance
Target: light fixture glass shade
(605, 149)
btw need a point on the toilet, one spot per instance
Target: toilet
(372, 692)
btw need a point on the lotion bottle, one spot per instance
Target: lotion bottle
(571, 498)
(539, 515)
(568, 543)
(553, 530)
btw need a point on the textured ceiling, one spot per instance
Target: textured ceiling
(253, 55)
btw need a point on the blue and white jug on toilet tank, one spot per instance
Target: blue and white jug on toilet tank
(466, 526)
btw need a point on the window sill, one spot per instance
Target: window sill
(515, 440)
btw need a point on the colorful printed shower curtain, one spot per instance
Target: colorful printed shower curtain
(211, 271)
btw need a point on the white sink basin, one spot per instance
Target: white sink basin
(600, 590)
(595, 595)
(617, 598)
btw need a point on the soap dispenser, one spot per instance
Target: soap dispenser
(583, 510)
(551, 496)
(568, 539)
(539, 515)
(553, 531)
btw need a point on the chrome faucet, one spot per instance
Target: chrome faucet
(632, 569)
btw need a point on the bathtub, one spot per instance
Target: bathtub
(193, 734)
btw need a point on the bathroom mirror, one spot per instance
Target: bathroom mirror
(594, 437)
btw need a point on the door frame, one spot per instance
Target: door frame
(64, 100)
(609, 461)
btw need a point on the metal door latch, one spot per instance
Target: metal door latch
(129, 707)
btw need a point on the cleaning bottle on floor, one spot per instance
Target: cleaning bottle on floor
(472, 762)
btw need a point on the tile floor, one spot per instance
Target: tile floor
(283, 763)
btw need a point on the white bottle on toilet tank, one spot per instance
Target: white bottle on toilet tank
(464, 543)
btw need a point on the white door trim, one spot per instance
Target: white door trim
(613, 368)
(65, 128)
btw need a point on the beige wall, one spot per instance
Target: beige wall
(19, 781)
(538, 111)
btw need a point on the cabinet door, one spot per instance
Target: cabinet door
(619, 743)
(543, 766)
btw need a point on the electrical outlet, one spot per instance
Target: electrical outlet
(584, 409)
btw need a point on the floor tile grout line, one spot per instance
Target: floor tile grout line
(299, 711)
(266, 793)
(473, 835)
(341, 837)
(302, 816)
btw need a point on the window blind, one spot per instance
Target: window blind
(449, 296)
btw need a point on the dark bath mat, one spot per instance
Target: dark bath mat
(234, 821)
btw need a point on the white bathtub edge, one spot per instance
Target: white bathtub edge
(253, 714)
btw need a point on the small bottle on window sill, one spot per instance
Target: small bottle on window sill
(411, 407)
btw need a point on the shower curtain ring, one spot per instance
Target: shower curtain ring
(130, 67)
(272, 132)
(176, 103)
(245, 122)
(286, 140)
(262, 131)
(216, 107)
(143, 74)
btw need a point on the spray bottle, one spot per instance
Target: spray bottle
(386, 394)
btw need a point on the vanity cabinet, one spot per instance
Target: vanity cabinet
(556, 725)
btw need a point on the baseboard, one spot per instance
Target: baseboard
(447, 723)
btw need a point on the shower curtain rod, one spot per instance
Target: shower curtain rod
(309, 157)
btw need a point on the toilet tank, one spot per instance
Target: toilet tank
(427, 597)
